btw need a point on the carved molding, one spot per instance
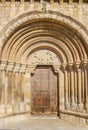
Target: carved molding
(41, 15)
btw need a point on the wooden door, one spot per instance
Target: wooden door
(44, 90)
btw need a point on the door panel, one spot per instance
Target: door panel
(44, 90)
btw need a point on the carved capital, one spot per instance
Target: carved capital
(23, 68)
(85, 64)
(3, 65)
(17, 67)
(63, 67)
(77, 66)
(10, 66)
(56, 68)
(70, 66)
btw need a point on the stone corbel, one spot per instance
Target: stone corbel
(31, 69)
(10, 66)
(56, 68)
(3, 65)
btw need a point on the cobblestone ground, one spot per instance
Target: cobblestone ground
(42, 123)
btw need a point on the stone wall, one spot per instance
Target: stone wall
(75, 56)
(8, 11)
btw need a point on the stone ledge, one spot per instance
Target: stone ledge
(83, 115)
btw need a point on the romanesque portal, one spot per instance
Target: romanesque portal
(44, 66)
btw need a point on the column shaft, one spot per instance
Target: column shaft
(86, 89)
(3, 88)
(79, 87)
(66, 89)
(72, 87)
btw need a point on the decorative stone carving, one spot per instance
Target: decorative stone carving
(17, 67)
(38, 15)
(44, 57)
(3, 65)
(23, 68)
(10, 66)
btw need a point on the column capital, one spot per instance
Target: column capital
(77, 65)
(17, 67)
(56, 68)
(3, 65)
(10, 66)
(85, 64)
(63, 67)
(30, 69)
(23, 68)
(70, 66)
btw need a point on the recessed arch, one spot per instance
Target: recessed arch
(63, 37)
(58, 29)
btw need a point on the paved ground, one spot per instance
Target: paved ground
(43, 123)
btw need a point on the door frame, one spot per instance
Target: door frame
(55, 70)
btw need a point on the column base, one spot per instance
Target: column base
(80, 107)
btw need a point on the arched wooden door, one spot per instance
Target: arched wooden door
(44, 91)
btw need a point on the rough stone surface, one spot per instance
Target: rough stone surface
(54, 36)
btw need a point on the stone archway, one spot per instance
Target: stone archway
(66, 40)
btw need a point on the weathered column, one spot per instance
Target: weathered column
(85, 68)
(3, 65)
(79, 87)
(16, 106)
(72, 86)
(66, 91)
(22, 103)
(27, 88)
(75, 86)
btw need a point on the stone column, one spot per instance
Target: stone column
(72, 85)
(3, 65)
(22, 103)
(66, 91)
(16, 106)
(75, 86)
(85, 68)
(27, 88)
(79, 87)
